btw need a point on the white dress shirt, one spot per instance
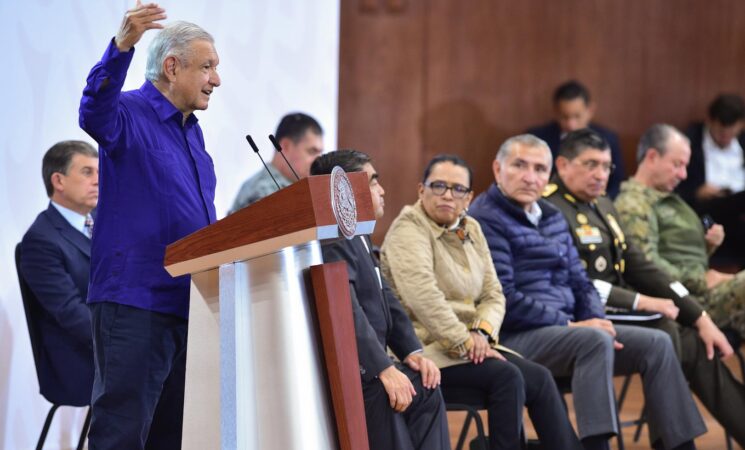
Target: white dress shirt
(724, 166)
(75, 219)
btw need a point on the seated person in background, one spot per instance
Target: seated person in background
(716, 173)
(627, 280)
(437, 262)
(669, 231)
(55, 264)
(301, 139)
(403, 403)
(574, 110)
(555, 316)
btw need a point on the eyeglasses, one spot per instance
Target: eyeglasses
(591, 165)
(440, 187)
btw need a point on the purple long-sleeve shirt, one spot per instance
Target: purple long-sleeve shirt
(157, 185)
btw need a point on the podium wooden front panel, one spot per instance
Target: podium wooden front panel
(334, 311)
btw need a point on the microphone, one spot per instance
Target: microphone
(256, 150)
(279, 149)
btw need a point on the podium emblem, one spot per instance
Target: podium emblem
(342, 202)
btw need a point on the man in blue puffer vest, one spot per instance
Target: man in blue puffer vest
(555, 316)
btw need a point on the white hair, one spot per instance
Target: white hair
(528, 140)
(173, 40)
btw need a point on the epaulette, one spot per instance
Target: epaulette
(550, 189)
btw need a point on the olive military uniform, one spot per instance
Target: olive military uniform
(620, 271)
(670, 233)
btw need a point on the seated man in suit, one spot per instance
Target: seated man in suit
(669, 231)
(555, 316)
(627, 280)
(716, 174)
(55, 264)
(404, 408)
(301, 139)
(574, 110)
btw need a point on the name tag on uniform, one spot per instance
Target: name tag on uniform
(588, 234)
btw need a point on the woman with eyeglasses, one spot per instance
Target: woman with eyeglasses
(437, 260)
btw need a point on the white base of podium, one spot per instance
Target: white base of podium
(254, 376)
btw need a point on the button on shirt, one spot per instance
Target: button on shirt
(157, 185)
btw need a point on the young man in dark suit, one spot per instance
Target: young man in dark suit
(55, 264)
(574, 110)
(404, 408)
(715, 182)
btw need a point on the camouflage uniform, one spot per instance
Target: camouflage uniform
(621, 271)
(670, 233)
(259, 186)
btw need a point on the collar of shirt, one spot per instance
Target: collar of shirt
(534, 214)
(724, 165)
(437, 229)
(76, 220)
(710, 144)
(163, 107)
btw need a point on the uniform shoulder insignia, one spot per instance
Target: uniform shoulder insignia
(550, 189)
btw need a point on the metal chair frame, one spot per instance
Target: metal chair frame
(472, 414)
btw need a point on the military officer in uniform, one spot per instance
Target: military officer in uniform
(628, 281)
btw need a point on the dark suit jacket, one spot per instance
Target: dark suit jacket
(551, 133)
(379, 318)
(55, 263)
(697, 166)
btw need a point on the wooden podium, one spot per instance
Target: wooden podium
(271, 354)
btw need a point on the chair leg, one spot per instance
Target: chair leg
(640, 423)
(742, 361)
(464, 431)
(624, 391)
(86, 426)
(45, 430)
(480, 431)
(728, 440)
(619, 436)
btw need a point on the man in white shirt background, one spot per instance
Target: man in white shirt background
(716, 173)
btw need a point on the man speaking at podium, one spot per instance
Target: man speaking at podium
(157, 185)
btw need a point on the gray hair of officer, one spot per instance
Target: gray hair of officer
(528, 140)
(173, 40)
(657, 136)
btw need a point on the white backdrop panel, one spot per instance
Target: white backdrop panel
(276, 57)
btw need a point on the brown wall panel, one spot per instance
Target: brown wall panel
(461, 76)
(380, 92)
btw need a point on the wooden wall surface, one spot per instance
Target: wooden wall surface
(422, 77)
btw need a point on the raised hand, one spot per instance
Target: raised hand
(136, 21)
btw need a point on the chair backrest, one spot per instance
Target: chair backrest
(31, 308)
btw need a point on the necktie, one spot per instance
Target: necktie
(89, 226)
